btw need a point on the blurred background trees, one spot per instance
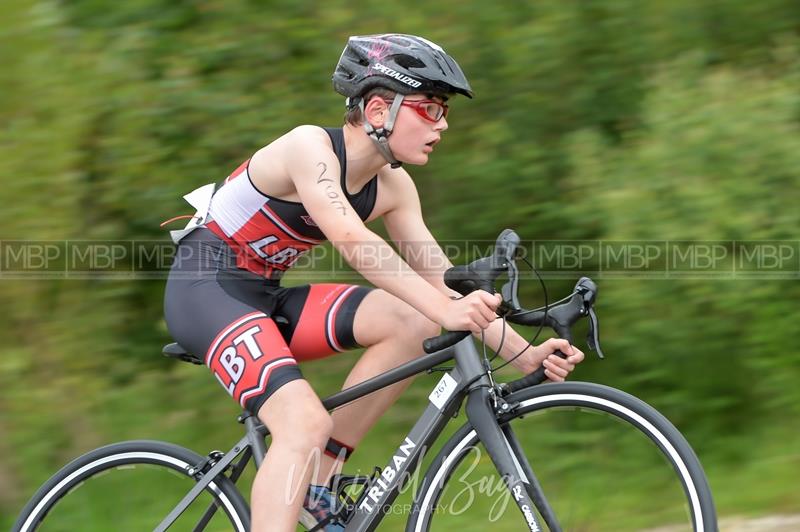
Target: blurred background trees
(615, 120)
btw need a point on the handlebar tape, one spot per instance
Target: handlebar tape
(437, 343)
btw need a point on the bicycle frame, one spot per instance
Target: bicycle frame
(468, 379)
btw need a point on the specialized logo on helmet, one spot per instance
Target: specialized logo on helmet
(402, 78)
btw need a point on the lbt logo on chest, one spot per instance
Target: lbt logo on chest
(276, 254)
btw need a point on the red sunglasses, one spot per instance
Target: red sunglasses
(430, 110)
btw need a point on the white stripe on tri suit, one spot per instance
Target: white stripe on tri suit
(330, 325)
(265, 373)
(235, 203)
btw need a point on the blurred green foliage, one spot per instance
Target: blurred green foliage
(594, 120)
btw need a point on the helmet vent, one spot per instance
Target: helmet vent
(407, 61)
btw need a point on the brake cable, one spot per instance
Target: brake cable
(505, 324)
(541, 325)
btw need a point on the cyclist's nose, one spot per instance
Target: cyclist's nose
(441, 125)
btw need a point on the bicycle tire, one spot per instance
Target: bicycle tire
(669, 442)
(160, 457)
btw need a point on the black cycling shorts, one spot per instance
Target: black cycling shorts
(223, 314)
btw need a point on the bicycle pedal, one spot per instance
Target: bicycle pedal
(340, 482)
(339, 485)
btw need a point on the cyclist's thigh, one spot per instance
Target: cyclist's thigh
(222, 315)
(320, 318)
(382, 316)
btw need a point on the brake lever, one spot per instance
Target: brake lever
(588, 290)
(506, 245)
(593, 337)
(507, 249)
(509, 291)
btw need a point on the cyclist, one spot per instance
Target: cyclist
(309, 185)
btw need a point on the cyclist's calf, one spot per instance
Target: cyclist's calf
(300, 427)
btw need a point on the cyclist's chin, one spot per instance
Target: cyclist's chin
(417, 159)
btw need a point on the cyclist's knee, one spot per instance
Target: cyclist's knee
(294, 415)
(304, 425)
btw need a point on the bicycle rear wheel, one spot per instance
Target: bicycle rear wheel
(625, 469)
(130, 486)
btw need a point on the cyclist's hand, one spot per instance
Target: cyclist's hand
(555, 368)
(473, 312)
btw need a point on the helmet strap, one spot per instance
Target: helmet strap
(351, 102)
(380, 136)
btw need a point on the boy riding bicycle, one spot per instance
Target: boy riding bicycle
(314, 184)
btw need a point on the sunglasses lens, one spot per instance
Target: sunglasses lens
(434, 110)
(428, 109)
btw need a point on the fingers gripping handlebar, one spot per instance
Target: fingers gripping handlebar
(478, 275)
(560, 316)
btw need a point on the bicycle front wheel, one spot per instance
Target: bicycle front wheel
(627, 468)
(131, 486)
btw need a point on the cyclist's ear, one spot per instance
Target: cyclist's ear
(376, 111)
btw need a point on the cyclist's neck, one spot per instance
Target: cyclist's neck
(363, 158)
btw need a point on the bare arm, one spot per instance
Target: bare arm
(316, 176)
(407, 228)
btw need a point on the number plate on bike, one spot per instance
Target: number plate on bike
(444, 389)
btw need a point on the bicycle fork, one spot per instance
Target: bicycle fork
(509, 459)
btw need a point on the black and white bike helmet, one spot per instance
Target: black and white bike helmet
(404, 64)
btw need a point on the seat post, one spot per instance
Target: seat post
(256, 433)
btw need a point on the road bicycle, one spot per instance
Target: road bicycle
(482, 476)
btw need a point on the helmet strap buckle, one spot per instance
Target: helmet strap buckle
(351, 102)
